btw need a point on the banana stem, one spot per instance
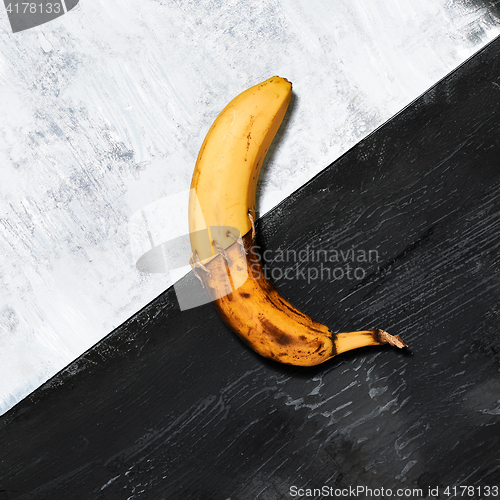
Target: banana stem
(353, 340)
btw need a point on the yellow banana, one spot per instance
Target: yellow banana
(221, 215)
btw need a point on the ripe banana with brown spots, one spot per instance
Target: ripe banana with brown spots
(221, 216)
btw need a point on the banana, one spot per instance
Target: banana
(221, 227)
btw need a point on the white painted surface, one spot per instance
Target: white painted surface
(103, 112)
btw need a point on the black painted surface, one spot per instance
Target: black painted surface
(172, 405)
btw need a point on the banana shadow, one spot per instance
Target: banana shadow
(275, 144)
(308, 372)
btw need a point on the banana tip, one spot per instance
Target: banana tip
(283, 78)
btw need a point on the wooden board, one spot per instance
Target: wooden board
(172, 405)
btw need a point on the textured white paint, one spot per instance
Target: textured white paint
(103, 112)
